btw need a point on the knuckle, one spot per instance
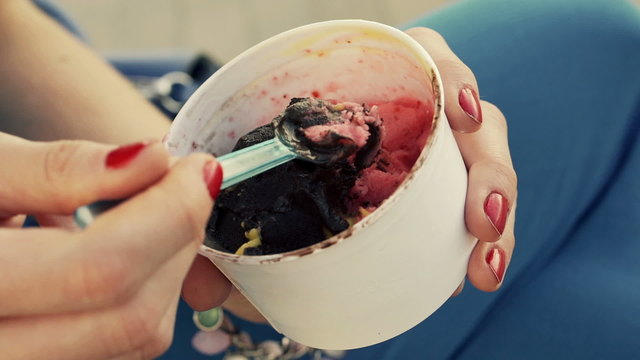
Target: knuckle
(58, 167)
(138, 327)
(456, 71)
(451, 67)
(506, 176)
(159, 345)
(59, 159)
(493, 112)
(101, 280)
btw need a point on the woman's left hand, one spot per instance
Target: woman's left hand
(480, 130)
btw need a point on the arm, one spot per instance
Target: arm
(55, 87)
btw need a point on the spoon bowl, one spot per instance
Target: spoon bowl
(313, 130)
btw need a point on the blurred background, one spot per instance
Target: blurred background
(222, 28)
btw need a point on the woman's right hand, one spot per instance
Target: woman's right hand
(110, 290)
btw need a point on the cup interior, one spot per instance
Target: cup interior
(345, 60)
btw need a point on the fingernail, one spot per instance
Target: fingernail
(496, 208)
(495, 260)
(213, 178)
(470, 104)
(123, 155)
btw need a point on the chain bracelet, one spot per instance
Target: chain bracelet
(243, 348)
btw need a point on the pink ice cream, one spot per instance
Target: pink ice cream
(406, 126)
(353, 123)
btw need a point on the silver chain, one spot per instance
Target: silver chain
(243, 348)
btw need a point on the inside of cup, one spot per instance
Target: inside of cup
(360, 64)
(364, 65)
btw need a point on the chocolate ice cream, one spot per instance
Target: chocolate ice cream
(301, 203)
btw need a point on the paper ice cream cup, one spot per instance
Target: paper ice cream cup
(394, 268)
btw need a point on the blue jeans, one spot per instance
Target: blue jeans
(566, 75)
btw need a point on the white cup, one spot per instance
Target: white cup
(386, 273)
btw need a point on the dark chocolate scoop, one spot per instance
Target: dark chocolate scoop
(299, 203)
(294, 205)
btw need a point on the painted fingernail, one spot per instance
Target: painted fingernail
(496, 261)
(470, 104)
(213, 178)
(496, 207)
(123, 155)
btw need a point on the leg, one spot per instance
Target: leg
(565, 74)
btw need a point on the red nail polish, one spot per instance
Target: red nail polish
(123, 155)
(470, 104)
(496, 208)
(213, 178)
(496, 261)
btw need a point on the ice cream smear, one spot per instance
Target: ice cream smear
(302, 203)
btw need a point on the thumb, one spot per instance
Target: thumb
(57, 177)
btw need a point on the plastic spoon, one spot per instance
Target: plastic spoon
(289, 143)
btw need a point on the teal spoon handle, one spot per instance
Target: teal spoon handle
(237, 166)
(240, 165)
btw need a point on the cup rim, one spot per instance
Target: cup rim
(429, 65)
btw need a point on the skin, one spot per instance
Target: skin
(54, 87)
(110, 291)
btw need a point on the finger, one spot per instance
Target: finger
(57, 177)
(138, 325)
(159, 344)
(462, 101)
(489, 261)
(205, 287)
(60, 271)
(162, 219)
(492, 188)
(59, 221)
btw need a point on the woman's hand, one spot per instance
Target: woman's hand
(111, 290)
(480, 130)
